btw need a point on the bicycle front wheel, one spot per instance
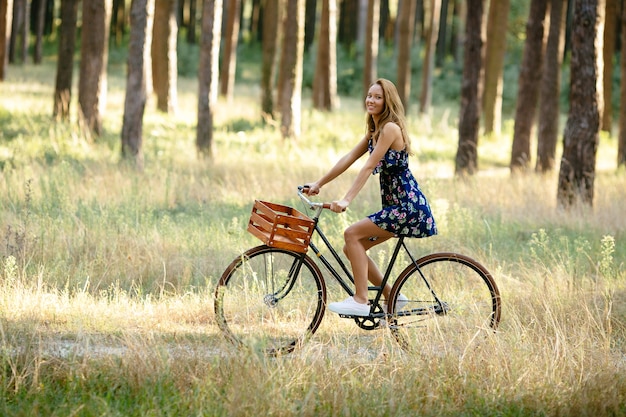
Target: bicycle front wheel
(270, 299)
(450, 301)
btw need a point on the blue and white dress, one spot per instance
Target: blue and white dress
(406, 211)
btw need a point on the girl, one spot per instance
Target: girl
(405, 211)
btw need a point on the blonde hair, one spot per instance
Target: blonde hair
(393, 111)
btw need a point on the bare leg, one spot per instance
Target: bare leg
(357, 238)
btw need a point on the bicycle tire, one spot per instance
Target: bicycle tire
(469, 303)
(259, 304)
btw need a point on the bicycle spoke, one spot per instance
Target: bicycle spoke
(269, 300)
(461, 301)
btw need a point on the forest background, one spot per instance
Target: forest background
(115, 228)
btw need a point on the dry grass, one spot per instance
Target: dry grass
(107, 275)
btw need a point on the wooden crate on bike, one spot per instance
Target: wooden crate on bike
(281, 226)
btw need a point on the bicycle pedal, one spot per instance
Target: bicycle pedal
(352, 316)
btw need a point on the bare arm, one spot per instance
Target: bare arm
(391, 136)
(340, 167)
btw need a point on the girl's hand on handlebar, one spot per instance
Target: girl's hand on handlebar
(311, 189)
(339, 206)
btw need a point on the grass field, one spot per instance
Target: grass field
(107, 274)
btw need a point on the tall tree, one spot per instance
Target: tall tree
(348, 22)
(549, 108)
(466, 162)
(442, 36)
(581, 136)
(310, 20)
(406, 29)
(19, 31)
(164, 56)
(371, 44)
(39, 10)
(291, 63)
(65, 60)
(92, 83)
(460, 10)
(621, 146)
(141, 20)
(255, 26)
(610, 35)
(271, 30)
(208, 72)
(429, 56)
(497, 24)
(325, 78)
(191, 24)
(229, 54)
(118, 21)
(6, 18)
(528, 86)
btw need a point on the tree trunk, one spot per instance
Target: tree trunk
(549, 108)
(494, 65)
(441, 52)
(460, 11)
(271, 30)
(191, 24)
(6, 18)
(371, 44)
(386, 23)
(581, 136)
(208, 72)
(291, 62)
(610, 34)
(429, 57)
(310, 18)
(25, 32)
(406, 28)
(92, 84)
(65, 61)
(39, 8)
(528, 86)
(621, 146)
(348, 23)
(141, 15)
(164, 57)
(255, 20)
(466, 162)
(325, 78)
(229, 55)
(18, 45)
(118, 21)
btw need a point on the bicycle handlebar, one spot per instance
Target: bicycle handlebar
(311, 204)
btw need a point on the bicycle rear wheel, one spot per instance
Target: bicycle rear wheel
(270, 299)
(452, 299)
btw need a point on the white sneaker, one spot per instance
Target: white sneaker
(349, 307)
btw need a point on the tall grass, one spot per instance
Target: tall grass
(106, 274)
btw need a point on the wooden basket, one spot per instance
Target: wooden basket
(280, 226)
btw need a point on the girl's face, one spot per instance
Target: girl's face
(375, 101)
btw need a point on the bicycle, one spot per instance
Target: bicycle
(273, 296)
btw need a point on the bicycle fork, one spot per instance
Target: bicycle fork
(272, 299)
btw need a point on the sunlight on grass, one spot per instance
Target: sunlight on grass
(107, 275)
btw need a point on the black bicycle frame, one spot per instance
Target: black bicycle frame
(342, 282)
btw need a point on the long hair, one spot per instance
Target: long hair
(393, 111)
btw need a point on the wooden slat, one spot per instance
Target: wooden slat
(280, 226)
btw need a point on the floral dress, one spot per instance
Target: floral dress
(406, 211)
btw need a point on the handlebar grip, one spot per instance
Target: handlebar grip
(301, 189)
